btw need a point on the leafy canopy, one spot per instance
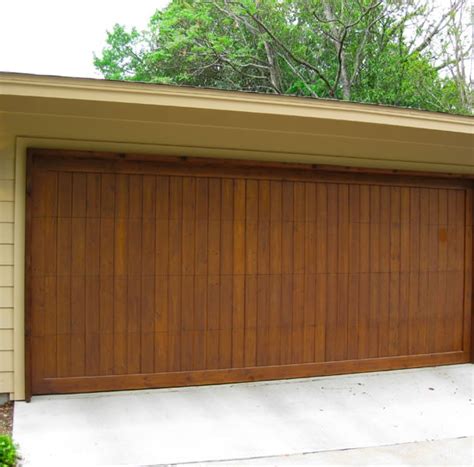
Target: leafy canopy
(404, 53)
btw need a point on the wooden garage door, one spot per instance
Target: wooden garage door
(153, 273)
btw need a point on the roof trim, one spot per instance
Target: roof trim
(54, 87)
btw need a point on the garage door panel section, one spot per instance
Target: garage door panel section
(154, 278)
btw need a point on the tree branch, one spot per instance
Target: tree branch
(287, 50)
(300, 76)
(440, 25)
(358, 57)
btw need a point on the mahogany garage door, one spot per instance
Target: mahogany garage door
(168, 272)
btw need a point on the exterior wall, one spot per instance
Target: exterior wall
(97, 121)
(7, 215)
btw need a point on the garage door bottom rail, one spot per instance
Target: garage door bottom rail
(237, 375)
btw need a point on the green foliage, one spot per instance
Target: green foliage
(286, 47)
(8, 452)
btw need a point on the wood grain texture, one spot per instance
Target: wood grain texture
(143, 278)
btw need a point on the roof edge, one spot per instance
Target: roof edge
(57, 87)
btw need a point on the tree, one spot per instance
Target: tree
(405, 53)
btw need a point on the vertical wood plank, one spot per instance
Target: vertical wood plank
(161, 328)
(188, 272)
(460, 268)
(374, 280)
(200, 286)
(106, 266)
(354, 274)
(175, 242)
(424, 295)
(238, 264)
(64, 252)
(310, 273)
(298, 272)
(364, 276)
(332, 269)
(384, 277)
(321, 272)
(147, 305)
(78, 287)
(226, 269)
(322, 228)
(394, 272)
(287, 240)
(405, 252)
(434, 298)
(263, 270)
(214, 268)
(50, 225)
(276, 309)
(413, 305)
(92, 261)
(443, 336)
(468, 274)
(134, 278)
(343, 272)
(251, 239)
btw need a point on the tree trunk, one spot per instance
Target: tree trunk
(345, 82)
(273, 66)
(275, 74)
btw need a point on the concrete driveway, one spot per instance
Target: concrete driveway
(407, 417)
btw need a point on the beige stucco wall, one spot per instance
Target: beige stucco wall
(137, 119)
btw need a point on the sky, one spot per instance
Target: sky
(59, 37)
